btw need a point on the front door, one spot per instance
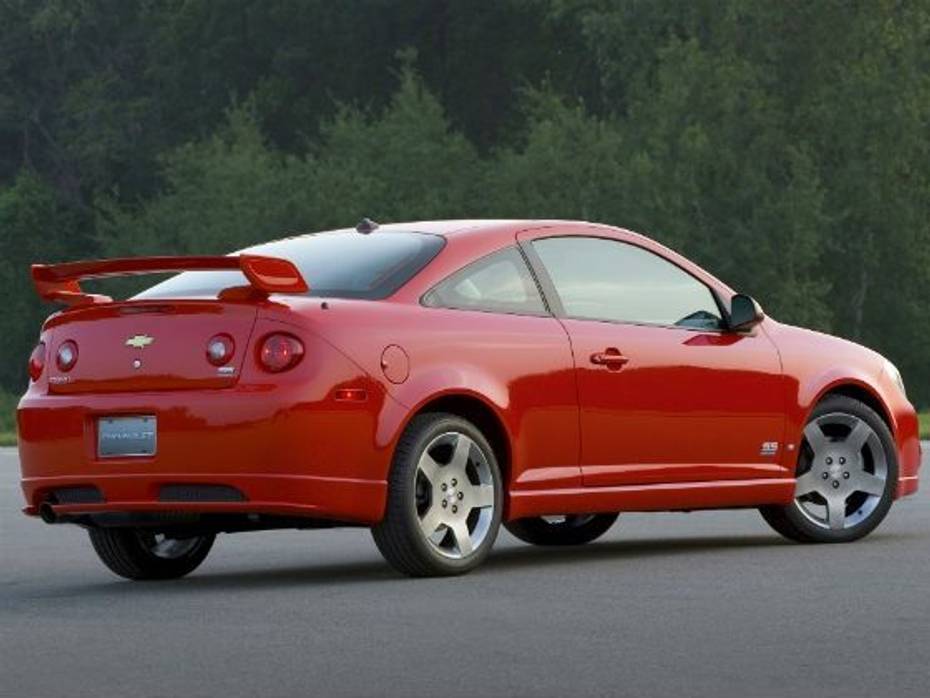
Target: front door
(666, 394)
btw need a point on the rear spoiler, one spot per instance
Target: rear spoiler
(59, 283)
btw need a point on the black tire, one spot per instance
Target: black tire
(574, 529)
(791, 522)
(399, 535)
(130, 553)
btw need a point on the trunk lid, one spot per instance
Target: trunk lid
(149, 345)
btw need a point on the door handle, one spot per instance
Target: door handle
(610, 357)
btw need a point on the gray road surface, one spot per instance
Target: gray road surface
(704, 604)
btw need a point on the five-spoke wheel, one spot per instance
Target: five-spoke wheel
(455, 494)
(847, 471)
(445, 498)
(847, 474)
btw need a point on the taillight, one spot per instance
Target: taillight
(67, 356)
(280, 352)
(220, 349)
(37, 361)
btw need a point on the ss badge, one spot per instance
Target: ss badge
(769, 448)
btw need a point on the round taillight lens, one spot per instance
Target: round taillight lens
(67, 356)
(37, 361)
(280, 352)
(220, 349)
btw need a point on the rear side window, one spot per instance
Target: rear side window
(500, 282)
(335, 265)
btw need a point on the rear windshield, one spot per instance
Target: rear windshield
(334, 265)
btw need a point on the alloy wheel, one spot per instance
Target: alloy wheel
(845, 471)
(454, 495)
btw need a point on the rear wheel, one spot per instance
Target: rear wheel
(444, 499)
(846, 477)
(569, 529)
(137, 553)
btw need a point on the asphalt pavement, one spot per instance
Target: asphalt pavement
(702, 604)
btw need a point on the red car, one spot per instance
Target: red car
(434, 380)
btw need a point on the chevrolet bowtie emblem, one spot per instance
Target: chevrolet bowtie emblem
(140, 341)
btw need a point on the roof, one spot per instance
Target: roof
(449, 227)
(457, 227)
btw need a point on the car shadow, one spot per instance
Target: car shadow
(375, 571)
(511, 558)
(502, 559)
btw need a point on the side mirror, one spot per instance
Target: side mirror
(745, 313)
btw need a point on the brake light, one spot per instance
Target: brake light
(37, 361)
(67, 356)
(279, 352)
(220, 349)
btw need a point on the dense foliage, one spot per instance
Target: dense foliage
(783, 145)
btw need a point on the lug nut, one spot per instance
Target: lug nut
(460, 495)
(842, 460)
(845, 476)
(454, 482)
(829, 461)
(455, 509)
(836, 483)
(825, 475)
(444, 487)
(444, 503)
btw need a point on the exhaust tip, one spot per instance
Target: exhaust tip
(47, 514)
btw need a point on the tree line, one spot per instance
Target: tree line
(783, 146)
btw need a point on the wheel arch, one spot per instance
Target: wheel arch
(470, 406)
(480, 413)
(857, 391)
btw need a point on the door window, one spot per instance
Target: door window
(601, 279)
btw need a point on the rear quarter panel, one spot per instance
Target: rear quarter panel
(520, 367)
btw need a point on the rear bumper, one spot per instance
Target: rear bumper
(287, 450)
(358, 501)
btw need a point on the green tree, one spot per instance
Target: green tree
(570, 164)
(233, 189)
(225, 192)
(782, 145)
(403, 164)
(31, 212)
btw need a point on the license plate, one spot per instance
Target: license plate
(118, 437)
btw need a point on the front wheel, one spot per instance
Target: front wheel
(568, 529)
(444, 499)
(137, 553)
(846, 477)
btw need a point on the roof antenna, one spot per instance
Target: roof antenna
(366, 226)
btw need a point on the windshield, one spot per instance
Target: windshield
(334, 265)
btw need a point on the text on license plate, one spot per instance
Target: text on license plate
(126, 436)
